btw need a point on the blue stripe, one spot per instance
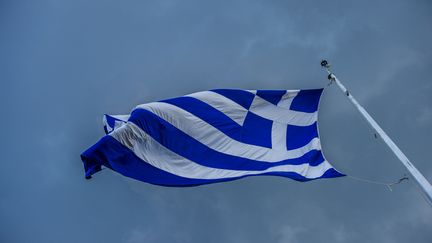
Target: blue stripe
(272, 96)
(298, 137)
(186, 146)
(110, 120)
(112, 154)
(111, 123)
(241, 97)
(306, 100)
(256, 130)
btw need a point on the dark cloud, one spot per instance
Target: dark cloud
(65, 63)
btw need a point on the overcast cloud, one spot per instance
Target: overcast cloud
(63, 64)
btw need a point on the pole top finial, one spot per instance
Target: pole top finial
(325, 64)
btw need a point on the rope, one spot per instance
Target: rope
(387, 184)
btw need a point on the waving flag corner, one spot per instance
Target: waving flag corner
(214, 136)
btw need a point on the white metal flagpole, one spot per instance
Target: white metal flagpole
(419, 178)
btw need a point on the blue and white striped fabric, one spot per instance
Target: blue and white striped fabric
(214, 136)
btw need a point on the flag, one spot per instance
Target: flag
(215, 136)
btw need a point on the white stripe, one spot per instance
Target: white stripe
(265, 109)
(287, 99)
(230, 108)
(150, 151)
(279, 132)
(124, 118)
(217, 140)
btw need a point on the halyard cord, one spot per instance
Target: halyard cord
(387, 184)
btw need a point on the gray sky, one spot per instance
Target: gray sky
(65, 63)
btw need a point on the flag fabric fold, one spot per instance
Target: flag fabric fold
(214, 136)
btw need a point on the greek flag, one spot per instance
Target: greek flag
(215, 136)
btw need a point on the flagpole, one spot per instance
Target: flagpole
(419, 178)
